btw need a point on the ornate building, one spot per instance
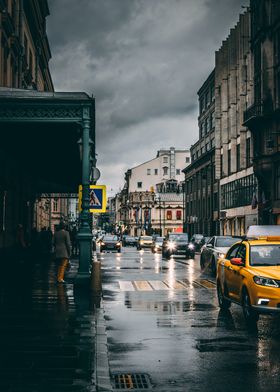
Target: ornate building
(262, 116)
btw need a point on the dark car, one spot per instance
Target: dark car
(110, 242)
(130, 241)
(177, 244)
(198, 241)
(157, 244)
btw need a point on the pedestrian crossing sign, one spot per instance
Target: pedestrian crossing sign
(97, 198)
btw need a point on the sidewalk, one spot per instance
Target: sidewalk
(47, 331)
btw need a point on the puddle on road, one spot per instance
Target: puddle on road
(124, 347)
(224, 344)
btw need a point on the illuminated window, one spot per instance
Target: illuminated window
(169, 215)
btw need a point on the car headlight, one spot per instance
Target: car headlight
(191, 246)
(102, 243)
(171, 245)
(118, 244)
(221, 255)
(262, 281)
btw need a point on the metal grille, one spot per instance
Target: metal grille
(131, 382)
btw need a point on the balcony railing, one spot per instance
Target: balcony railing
(258, 110)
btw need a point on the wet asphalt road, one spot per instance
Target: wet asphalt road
(163, 321)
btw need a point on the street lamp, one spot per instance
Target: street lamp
(84, 234)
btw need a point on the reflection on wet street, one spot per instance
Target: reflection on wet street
(46, 331)
(163, 320)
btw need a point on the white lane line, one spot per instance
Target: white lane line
(126, 285)
(158, 285)
(142, 285)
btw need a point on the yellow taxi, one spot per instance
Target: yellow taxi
(249, 274)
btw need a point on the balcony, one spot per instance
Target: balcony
(258, 110)
(7, 23)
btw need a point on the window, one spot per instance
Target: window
(248, 152)
(212, 120)
(169, 215)
(242, 252)
(148, 172)
(55, 205)
(277, 181)
(178, 172)
(165, 159)
(233, 252)
(156, 172)
(165, 170)
(229, 162)
(238, 193)
(178, 214)
(238, 157)
(187, 159)
(30, 63)
(139, 184)
(202, 129)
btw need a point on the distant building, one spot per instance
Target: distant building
(152, 199)
(201, 187)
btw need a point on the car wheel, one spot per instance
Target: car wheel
(224, 303)
(251, 317)
(119, 251)
(213, 266)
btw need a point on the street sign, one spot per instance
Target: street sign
(97, 198)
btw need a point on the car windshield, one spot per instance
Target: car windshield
(198, 236)
(225, 242)
(265, 255)
(146, 238)
(159, 239)
(129, 238)
(178, 237)
(110, 238)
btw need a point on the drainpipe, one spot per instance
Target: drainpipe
(20, 36)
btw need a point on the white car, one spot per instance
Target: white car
(215, 249)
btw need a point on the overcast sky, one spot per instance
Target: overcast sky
(144, 61)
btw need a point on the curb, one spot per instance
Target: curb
(102, 371)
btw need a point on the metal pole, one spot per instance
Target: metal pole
(159, 199)
(84, 235)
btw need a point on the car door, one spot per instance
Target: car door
(237, 276)
(228, 270)
(208, 250)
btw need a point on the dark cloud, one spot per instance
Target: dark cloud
(144, 61)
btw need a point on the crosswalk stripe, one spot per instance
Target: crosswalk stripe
(158, 285)
(126, 285)
(174, 284)
(142, 285)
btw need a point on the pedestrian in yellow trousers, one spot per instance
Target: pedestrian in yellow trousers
(62, 248)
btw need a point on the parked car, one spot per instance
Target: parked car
(144, 241)
(198, 241)
(215, 248)
(177, 244)
(249, 275)
(110, 242)
(130, 241)
(157, 244)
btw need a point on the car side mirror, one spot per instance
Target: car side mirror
(237, 261)
(209, 246)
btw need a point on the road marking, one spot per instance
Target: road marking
(158, 285)
(142, 285)
(174, 284)
(207, 284)
(126, 285)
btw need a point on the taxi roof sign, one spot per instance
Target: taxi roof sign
(263, 231)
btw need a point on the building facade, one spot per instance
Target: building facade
(233, 141)
(152, 198)
(24, 50)
(201, 187)
(262, 116)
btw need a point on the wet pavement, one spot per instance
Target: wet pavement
(164, 327)
(47, 331)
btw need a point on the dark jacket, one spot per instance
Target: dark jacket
(62, 244)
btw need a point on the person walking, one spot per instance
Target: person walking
(62, 250)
